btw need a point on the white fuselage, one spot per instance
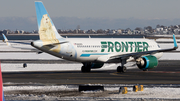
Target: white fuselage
(90, 49)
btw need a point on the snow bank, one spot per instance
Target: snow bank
(41, 88)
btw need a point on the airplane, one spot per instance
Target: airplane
(94, 52)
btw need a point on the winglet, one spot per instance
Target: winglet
(175, 42)
(6, 40)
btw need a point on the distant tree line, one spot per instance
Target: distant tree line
(160, 29)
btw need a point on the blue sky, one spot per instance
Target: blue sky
(106, 12)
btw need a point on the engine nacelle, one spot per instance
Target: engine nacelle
(93, 65)
(147, 62)
(97, 65)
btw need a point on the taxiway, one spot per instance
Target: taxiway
(167, 72)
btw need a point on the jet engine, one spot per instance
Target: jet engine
(93, 65)
(147, 62)
(96, 65)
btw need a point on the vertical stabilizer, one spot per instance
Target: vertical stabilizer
(47, 30)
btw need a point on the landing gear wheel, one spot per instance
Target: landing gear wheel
(85, 69)
(121, 69)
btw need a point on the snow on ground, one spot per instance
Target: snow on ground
(155, 92)
(170, 56)
(18, 67)
(39, 67)
(42, 88)
(167, 35)
(166, 40)
(28, 56)
(167, 45)
(110, 93)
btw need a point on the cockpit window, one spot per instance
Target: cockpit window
(159, 46)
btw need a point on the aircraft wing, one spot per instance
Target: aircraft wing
(137, 54)
(7, 41)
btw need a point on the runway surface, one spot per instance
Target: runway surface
(167, 72)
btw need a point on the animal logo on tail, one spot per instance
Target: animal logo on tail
(47, 34)
(46, 31)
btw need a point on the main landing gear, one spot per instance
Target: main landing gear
(122, 68)
(86, 67)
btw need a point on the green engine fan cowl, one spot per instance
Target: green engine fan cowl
(149, 62)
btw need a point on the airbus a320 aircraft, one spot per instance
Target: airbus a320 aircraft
(94, 52)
